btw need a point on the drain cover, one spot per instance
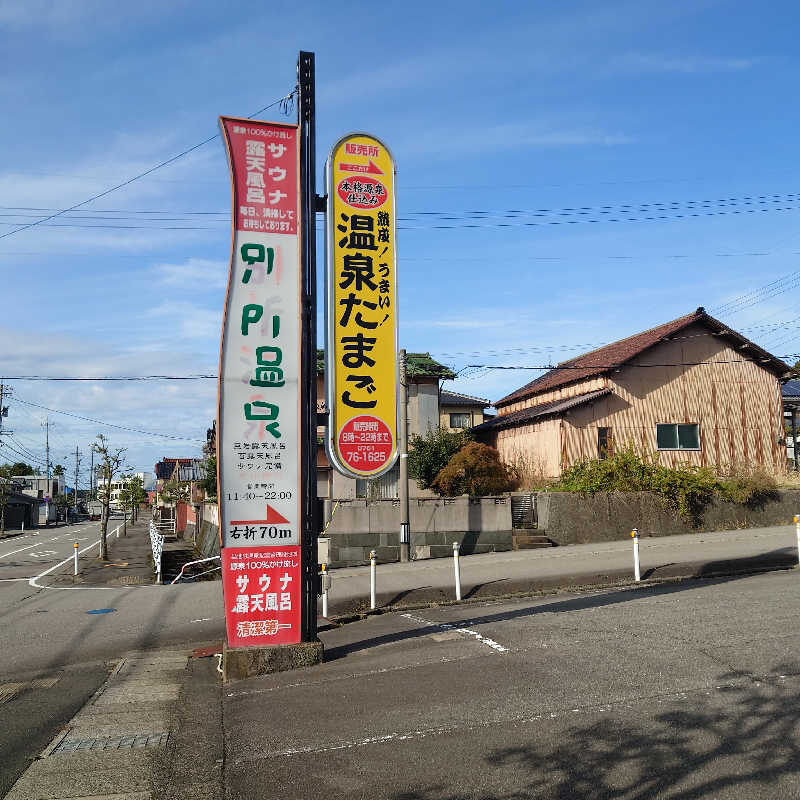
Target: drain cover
(133, 742)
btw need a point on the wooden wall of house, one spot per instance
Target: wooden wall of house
(535, 448)
(561, 393)
(737, 405)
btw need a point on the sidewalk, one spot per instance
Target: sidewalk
(152, 731)
(493, 575)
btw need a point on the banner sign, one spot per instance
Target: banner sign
(261, 587)
(258, 438)
(361, 308)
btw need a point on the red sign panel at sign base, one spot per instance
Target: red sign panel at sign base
(261, 587)
(365, 442)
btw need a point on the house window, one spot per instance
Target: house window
(603, 443)
(673, 436)
(460, 420)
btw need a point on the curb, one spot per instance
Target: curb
(564, 586)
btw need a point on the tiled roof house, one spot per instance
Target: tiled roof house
(690, 390)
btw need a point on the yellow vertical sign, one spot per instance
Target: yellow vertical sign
(361, 307)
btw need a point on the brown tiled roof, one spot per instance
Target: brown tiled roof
(605, 359)
(535, 413)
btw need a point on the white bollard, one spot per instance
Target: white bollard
(635, 535)
(75, 558)
(797, 531)
(23, 526)
(324, 594)
(456, 548)
(372, 579)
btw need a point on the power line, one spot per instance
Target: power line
(111, 378)
(107, 424)
(129, 181)
(601, 367)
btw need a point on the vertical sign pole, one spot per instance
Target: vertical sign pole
(308, 391)
(405, 533)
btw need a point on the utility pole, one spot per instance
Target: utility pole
(405, 528)
(77, 464)
(46, 424)
(91, 478)
(5, 391)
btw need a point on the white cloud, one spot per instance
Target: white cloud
(195, 273)
(187, 320)
(687, 64)
(527, 135)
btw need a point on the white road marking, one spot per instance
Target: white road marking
(686, 695)
(32, 581)
(202, 619)
(11, 580)
(464, 631)
(36, 544)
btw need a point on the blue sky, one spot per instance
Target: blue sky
(592, 116)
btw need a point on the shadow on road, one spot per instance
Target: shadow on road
(739, 748)
(595, 599)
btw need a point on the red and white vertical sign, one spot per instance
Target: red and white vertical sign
(258, 438)
(261, 587)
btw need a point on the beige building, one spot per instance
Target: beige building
(691, 391)
(424, 376)
(461, 411)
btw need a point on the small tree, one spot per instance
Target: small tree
(428, 455)
(58, 469)
(111, 461)
(209, 483)
(62, 502)
(21, 468)
(174, 492)
(131, 495)
(476, 469)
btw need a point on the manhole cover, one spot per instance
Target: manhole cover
(101, 610)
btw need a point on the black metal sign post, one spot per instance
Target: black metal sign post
(308, 372)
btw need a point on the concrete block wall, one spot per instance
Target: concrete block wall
(479, 524)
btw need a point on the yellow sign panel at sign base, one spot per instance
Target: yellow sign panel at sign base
(361, 307)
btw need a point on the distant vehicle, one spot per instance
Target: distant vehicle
(94, 509)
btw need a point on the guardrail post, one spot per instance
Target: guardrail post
(457, 569)
(635, 536)
(372, 579)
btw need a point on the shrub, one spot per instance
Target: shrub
(429, 455)
(476, 469)
(687, 489)
(750, 486)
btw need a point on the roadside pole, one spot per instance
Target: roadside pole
(636, 572)
(306, 123)
(75, 558)
(797, 532)
(457, 569)
(372, 580)
(405, 528)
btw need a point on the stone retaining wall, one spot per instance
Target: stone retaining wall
(568, 518)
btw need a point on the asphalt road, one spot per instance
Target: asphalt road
(56, 652)
(686, 690)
